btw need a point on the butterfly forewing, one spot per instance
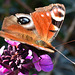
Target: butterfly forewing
(12, 30)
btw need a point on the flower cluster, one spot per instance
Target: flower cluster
(19, 59)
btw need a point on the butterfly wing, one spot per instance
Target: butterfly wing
(38, 34)
(13, 31)
(48, 20)
(42, 22)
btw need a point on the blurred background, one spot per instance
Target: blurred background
(67, 32)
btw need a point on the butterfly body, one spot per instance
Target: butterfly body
(37, 29)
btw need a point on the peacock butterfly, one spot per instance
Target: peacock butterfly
(37, 29)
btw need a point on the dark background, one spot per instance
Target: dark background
(67, 32)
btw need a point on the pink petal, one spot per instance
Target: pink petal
(1, 50)
(29, 55)
(13, 43)
(0, 66)
(46, 63)
(35, 62)
(5, 70)
(1, 73)
(2, 69)
(35, 56)
(20, 73)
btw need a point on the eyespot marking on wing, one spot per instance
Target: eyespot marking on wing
(57, 13)
(25, 20)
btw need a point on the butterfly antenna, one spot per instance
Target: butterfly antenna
(65, 56)
(65, 43)
(60, 53)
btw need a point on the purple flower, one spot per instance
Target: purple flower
(19, 57)
(15, 59)
(44, 63)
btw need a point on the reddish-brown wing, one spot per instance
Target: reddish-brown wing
(48, 21)
(43, 24)
(39, 36)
